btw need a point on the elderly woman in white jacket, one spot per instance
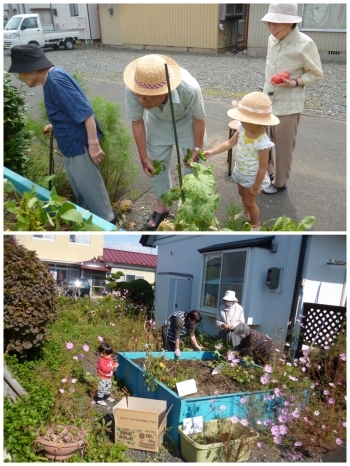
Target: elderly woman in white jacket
(229, 314)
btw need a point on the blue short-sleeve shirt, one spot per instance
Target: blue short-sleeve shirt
(68, 108)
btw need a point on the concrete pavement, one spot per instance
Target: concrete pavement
(317, 184)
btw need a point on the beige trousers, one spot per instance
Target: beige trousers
(284, 135)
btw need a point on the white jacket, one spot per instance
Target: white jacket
(230, 315)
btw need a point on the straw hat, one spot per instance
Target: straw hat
(230, 296)
(254, 108)
(282, 13)
(146, 75)
(28, 57)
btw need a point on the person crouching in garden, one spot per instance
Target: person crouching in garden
(176, 327)
(229, 314)
(105, 367)
(255, 344)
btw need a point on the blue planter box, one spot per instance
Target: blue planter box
(22, 185)
(132, 376)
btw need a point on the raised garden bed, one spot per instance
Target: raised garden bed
(133, 376)
(22, 185)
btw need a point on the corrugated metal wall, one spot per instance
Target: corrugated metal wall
(170, 25)
(258, 34)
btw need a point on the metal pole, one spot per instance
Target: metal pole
(51, 163)
(175, 133)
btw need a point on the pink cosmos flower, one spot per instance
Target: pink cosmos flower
(331, 401)
(64, 380)
(298, 444)
(277, 439)
(344, 424)
(61, 390)
(69, 345)
(212, 401)
(216, 392)
(264, 379)
(283, 429)
(234, 419)
(100, 338)
(326, 392)
(86, 348)
(222, 408)
(243, 400)
(326, 347)
(244, 422)
(275, 430)
(343, 356)
(259, 444)
(268, 369)
(316, 413)
(338, 441)
(74, 380)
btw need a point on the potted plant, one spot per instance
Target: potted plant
(221, 440)
(59, 442)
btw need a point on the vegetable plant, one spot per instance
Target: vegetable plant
(158, 167)
(33, 214)
(188, 155)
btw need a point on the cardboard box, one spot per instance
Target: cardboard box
(140, 423)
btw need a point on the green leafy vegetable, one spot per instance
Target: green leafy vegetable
(158, 167)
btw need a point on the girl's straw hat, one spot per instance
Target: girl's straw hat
(254, 108)
(146, 75)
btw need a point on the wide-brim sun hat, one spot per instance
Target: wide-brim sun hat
(230, 296)
(146, 75)
(282, 13)
(254, 108)
(28, 57)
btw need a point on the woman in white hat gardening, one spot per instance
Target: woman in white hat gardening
(229, 314)
(254, 112)
(147, 89)
(291, 51)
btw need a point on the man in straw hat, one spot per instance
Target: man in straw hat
(76, 130)
(294, 52)
(147, 89)
(229, 314)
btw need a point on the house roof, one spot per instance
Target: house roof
(129, 257)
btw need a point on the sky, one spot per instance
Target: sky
(126, 242)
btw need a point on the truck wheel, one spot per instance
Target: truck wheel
(55, 46)
(69, 44)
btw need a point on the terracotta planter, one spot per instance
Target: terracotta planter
(236, 451)
(59, 451)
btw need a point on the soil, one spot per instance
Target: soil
(206, 383)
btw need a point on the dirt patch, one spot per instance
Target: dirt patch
(207, 383)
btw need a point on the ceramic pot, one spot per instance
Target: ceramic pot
(59, 451)
(233, 451)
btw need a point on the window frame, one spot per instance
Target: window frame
(319, 29)
(74, 9)
(212, 311)
(44, 237)
(77, 242)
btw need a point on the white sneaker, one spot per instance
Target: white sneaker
(102, 402)
(111, 400)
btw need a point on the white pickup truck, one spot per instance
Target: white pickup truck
(27, 29)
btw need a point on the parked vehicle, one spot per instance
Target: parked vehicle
(27, 29)
(74, 287)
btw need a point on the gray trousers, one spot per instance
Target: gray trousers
(284, 136)
(104, 388)
(88, 186)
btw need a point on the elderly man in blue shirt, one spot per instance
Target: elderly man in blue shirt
(76, 130)
(147, 89)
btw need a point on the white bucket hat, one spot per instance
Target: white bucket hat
(254, 108)
(230, 296)
(282, 13)
(146, 75)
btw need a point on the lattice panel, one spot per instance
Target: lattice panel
(322, 326)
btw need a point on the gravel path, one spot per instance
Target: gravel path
(221, 76)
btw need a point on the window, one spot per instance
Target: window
(46, 237)
(74, 10)
(29, 23)
(79, 239)
(222, 271)
(324, 17)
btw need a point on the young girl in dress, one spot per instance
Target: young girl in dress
(254, 112)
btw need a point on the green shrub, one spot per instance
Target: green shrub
(30, 299)
(139, 291)
(16, 134)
